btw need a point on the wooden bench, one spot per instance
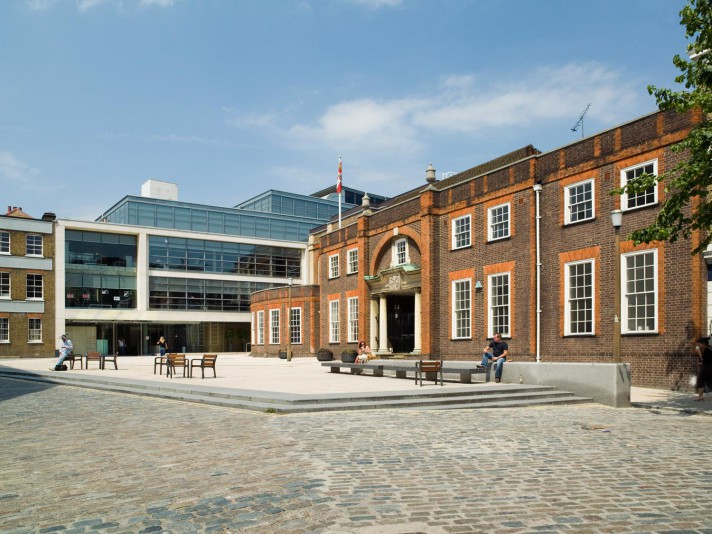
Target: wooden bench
(465, 370)
(206, 362)
(430, 368)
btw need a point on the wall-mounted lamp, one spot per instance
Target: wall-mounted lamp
(478, 285)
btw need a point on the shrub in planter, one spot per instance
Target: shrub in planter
(324, 355)
(282, 354)
(349, 356)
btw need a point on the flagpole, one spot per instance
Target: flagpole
(338, 190)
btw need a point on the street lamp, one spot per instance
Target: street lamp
(289, 321)
(617, 221)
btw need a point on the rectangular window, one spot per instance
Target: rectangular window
(4, 330)
(333, 321)
(334, 266)
(295, 326)
(498, 222)
(579, 202)
(462, 309)
(4, 285)
(274, 327)
(579, 298)
(260, 328)
(34, 245)
(352, 261)
(400, 252)
(353, 319)
(4, 242)
(34, 331)
(499, 304)
(644, 198)
(461, 232)
(34, 286)
(640, 292)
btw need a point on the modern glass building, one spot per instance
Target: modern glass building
(154, 266)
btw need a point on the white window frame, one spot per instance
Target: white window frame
(4, 242)
(626, 296)
(461, 316)
(334, 266)
(260, 339)
(568, 190)
(352, 261)
(34, 335)
(34, 246)
(396, 258)
(4, 330)
(295, 326)
(352, 313)
(625, 198)
(334, 333)
(27, 287)
(274, 333)
(492, 305)
(465, 235)
(491, 224)
(5, 288)
(568, 299)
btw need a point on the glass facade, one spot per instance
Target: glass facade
(100, 270)
(197, 255)
(197, 294)
(276, 216)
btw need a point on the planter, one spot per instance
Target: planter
(282, 354)
(349, 356)
(324, 355)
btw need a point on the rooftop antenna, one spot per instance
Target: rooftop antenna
(579, 122)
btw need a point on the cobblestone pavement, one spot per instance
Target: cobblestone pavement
(79, 460)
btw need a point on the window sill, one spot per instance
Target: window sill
(35, 342)
(463, 247)
(499, 239)
(575, 223)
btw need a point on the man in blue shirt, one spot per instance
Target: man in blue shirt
(497, 350)
(65, 350)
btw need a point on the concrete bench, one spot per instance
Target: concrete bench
(356, 368)
(402, 368)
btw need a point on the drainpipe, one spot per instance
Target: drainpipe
(537, 191)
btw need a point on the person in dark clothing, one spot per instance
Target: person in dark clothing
(497, 350)
(704, 375)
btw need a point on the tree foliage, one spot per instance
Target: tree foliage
(692, 178)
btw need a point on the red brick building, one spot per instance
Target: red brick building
(523, 245)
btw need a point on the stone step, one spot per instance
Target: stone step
(432, 398)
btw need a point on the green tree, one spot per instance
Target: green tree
(691, 179)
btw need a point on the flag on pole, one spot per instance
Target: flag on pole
(338, 178)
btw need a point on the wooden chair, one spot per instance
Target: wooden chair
(74, 358)
(94, 357)
(429, 366)
(110, 358)
(160, 361)
(176, 360)
(206, 362)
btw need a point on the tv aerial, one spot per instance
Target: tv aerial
(579, 122)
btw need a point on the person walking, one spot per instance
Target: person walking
(65, 349)
(497, 350)
(704, 374)
(122, 346)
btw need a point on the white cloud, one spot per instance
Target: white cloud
(40, 5)
(85, 5)
(15, 171)
(170, 138)
(160, 3)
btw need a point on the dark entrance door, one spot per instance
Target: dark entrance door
(401, 330)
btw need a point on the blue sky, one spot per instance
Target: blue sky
(229, 98)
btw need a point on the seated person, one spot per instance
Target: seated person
(497, 350)
(364, 352)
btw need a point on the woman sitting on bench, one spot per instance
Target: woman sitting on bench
(364, 352)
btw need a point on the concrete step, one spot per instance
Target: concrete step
(429, 398)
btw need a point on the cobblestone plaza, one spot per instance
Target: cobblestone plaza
(79, 460)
